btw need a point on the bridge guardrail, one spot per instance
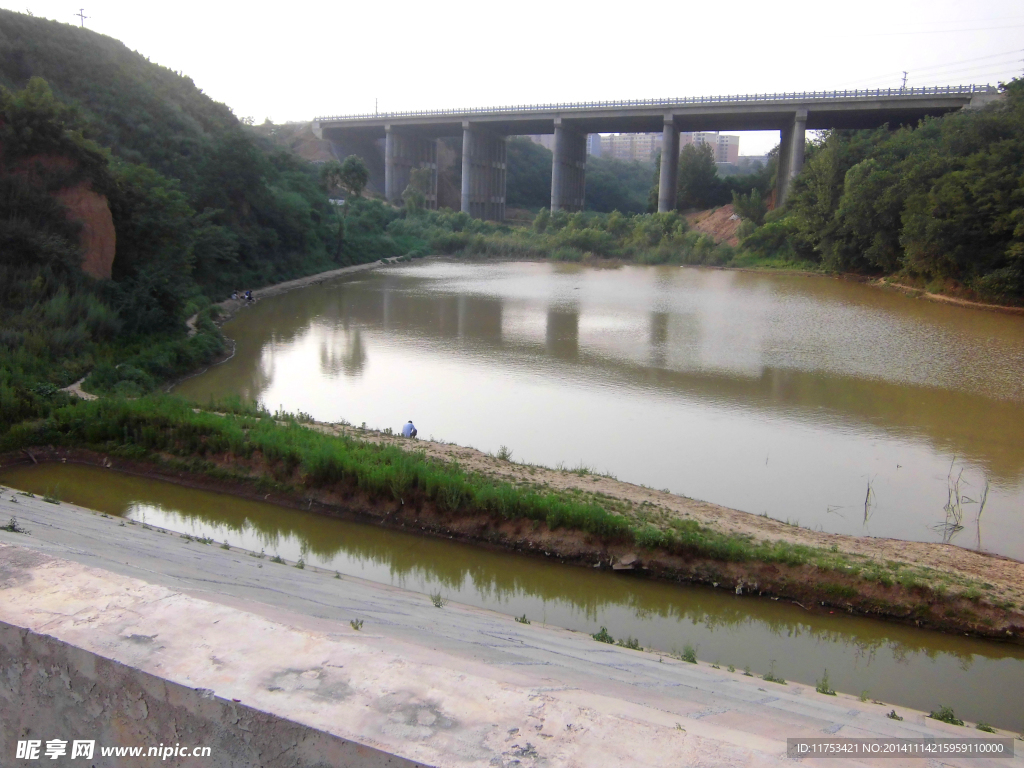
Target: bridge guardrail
(948, 90)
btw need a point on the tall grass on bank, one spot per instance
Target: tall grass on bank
(163, 425)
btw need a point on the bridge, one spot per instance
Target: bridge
(394, 143)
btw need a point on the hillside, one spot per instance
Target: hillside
(129, 200)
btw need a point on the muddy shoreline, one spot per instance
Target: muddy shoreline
(810, 588)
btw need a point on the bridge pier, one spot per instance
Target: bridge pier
(791, 154)
(484, 170)
(402, 153)
(669, 177)
(568, 168)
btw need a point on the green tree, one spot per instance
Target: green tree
(415, 194)
(750, 206)
(699, 185)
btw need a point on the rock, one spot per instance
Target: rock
(625, 563)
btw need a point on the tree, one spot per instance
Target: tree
(699, 185)
(751, 206)
(350, 177)
(415, 195)
(354, 175)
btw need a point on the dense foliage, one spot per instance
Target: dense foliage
(200, 206)
(612, 185)
(940, 204)
(259, 213)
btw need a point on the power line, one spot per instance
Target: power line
(932, 31)
(917, 70)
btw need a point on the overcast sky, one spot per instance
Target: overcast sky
(297, 61)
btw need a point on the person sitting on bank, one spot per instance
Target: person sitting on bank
(409, 430)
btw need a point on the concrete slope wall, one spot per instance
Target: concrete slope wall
(52, 690)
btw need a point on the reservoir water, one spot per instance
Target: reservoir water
(830, 404)
(902, 666)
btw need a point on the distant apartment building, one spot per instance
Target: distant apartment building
(725, 147)
(645, 146)
(627, 146)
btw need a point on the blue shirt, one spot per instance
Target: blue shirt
(407, 430)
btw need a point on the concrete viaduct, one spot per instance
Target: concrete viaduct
(394, 143)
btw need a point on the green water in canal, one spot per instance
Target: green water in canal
(830, 404)
(899, 665)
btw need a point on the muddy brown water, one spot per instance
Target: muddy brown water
(833, 405)
(902, 666)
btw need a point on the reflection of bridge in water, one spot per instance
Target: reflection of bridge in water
(394, 143)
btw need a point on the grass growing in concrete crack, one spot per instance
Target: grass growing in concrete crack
(893, 716)
(277, 559)
(602, 636)
(771, 677)
(688, 654)
(225, 545)
(13, 527)
(823, 685)
(522, 619)
(985, 727)
(438, 600)
(630, 642)
(357, 624)
(301, 564)
(946, 715)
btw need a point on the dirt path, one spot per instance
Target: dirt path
(1004, 574)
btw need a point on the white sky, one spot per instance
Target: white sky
(295, 62)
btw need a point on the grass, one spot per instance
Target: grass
(946, 715)
(893, 716)
(630, 642)
(301, 564)
(823, 685)
(166, 429)
(438, 600)
(688, 654)
(771, 677)
(13, 527)
(225, 545)
(985, 727)
(357, 624)
(277, 559)
(602, 636)
(522, 619)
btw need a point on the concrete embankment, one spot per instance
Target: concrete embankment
(272, 644)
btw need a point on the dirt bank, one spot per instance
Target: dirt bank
(981, 595)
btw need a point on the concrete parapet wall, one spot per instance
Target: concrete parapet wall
(52, 690)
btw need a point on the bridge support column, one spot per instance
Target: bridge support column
(568, 168)
(791, 155)
(484, 171)
(669, 166)
(403, 153)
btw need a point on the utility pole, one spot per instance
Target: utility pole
(904, 86)
(375, 113)
(81, 16)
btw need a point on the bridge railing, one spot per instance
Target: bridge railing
(947, 90)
